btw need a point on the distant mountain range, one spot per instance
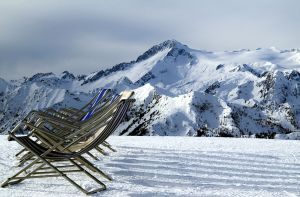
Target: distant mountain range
(179, 91)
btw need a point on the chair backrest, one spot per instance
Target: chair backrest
(104, 124)
(103, 105)
(95, 101)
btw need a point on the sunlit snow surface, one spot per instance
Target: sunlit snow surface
(178, 166)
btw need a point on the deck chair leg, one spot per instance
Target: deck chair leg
(103, 187)
(84, 162)
(20, 152)
(25, 158)
(93, 168)
(9, 180)
(100, 150)
(91, 155)
(107, 145)
(15, 179)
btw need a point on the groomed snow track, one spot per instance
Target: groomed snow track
(180, 166)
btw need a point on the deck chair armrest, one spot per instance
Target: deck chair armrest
(66, 112)
(52, 111)
(59, 114)
(13, 132)
(55, 121)
(30, 115)
(72, 112)
(45, 116)
(63, 123)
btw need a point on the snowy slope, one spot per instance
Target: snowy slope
(179, 166)
(4, 86)
(181, 91)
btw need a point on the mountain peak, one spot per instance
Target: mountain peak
(168, 44)
(172, 44)
(67, 75)
(40, 75)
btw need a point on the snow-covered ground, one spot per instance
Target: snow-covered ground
(179, 166)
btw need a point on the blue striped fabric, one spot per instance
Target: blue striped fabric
(114, 98)
(92, 108)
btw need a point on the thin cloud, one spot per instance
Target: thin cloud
(85, 36)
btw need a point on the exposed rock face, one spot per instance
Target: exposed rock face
(179, 91)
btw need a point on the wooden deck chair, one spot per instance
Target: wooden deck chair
(76, 115)
(48, 159)
(86, 111)
(62, 128)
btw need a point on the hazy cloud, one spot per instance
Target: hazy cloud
(85, 36)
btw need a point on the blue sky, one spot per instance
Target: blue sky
(84, 36)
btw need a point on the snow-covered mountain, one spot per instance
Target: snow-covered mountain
(179, 91)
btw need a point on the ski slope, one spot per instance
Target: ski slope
(179, 166)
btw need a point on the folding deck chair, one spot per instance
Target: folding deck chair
(76, 115)
(69, 126)
(103, 96)
(71, 148)
(86, 111)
